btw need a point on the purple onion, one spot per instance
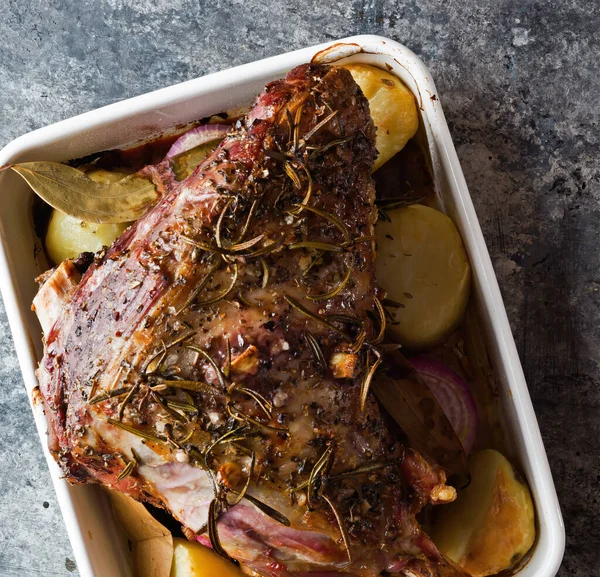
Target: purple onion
(197, 136)
(453, 395)
(204, 540)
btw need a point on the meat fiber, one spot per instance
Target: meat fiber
(212, 361)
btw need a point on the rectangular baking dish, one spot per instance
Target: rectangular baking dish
(98, 544)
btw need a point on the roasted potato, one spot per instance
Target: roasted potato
(195, 560)
(491, 525)
(68, 237)
(393, 109)
(422, 265)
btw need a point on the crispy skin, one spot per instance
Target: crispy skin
(154, 319)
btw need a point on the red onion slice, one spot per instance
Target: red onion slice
(196, 137)
(453, 395)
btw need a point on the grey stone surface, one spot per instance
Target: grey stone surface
(519, 83)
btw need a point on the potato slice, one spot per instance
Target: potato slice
(195, 560)
(422, 264)
(393, 109)
(68, 237)
(491, 525)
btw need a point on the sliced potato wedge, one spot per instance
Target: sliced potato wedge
(491, 525)
(393, 109)
(422, 264)
(68, 237)
(195, 560)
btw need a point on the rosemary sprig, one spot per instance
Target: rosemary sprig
(265, 276)
(336, 290)
(268, 248)
(149, 369)
(227, 367)
(315, 348)
(212, 363)
(358, 240)
(204, 246)
(104, 396)
(242, 246)
(321, 467)
(314, 262)
(195, 386)
(236, 414)
(345, 318)
(290, 124)
(214, 510)
(230, 251)
(156, 360)
(187, 437)
(327, 216)
(300, 308)
(360, 470)
(263, 403)
(319, 125)
(325, 147)
(220, 222)
(126, 471)
(297, 121)
(224, 292)
(348, 474)
(276, 155)
(200, 286)
(178, 417)
(292, 174)
(267, 510)
(246, 226)
(382, 320)
(326, 246)
(242, 493)
(341, 526)
(126, 400)
(137, 432)
(308, 191)
(366, 383)
(243, 300)
(241, 448)
(359, 341)
(185, 407)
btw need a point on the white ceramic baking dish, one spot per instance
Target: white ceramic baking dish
(98, 544)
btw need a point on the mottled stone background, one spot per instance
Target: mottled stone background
(519, 82)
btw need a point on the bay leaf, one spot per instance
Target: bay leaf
(70, 191)
(151, 542)
(408, 399)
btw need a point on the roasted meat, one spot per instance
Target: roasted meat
(215, 361)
